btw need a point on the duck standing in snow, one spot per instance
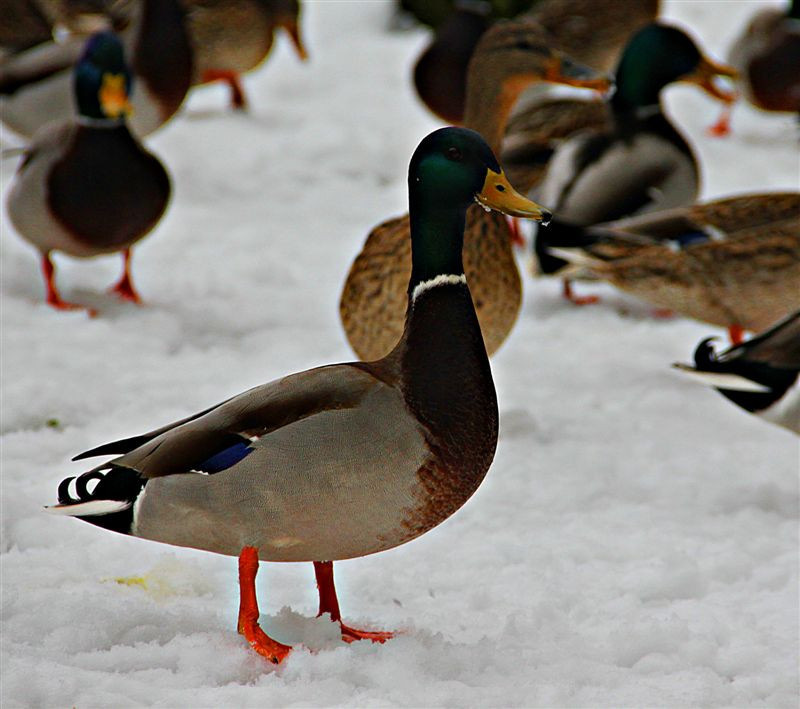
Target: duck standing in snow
(36, 85)
(231, 37)
(339, 461)
(760, 375)
(511, 56)
(86, 186)
(733, 262)
(641, 163)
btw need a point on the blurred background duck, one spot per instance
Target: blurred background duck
(36, 84)
(767, 55)
(232, 37)
(86, 186)
(510, 56)
(590, 31)
(732, 262)
(760, 375)
(639, 162)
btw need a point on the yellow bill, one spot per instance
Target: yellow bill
(705, 74)
(114, 97)
(497, 193)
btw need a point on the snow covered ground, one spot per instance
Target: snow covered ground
(635, 542)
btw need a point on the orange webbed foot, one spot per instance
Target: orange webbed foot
(124, 287)
(722, 128)
(248, 610)
(350, 635)
(578, 299)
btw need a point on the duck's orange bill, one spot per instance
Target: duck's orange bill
(497, 193)
(563, 70)
(114, 97)
(705, 76)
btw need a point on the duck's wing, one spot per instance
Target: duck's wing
(596, 178)
(37, 64)
(213, 439)
(719, 220)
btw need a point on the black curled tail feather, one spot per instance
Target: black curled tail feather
(558, 234)
(114, 483)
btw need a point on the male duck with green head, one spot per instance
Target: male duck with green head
(639, 163)
(87, 186)
(340, 461)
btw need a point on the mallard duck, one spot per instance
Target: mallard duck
(86, 186)
(732, 262)
(231, 37)
(340, 461)
(36, 85)
(760, 375)
(767, 55)
(640, 163)
(510, 56)
(590, 31)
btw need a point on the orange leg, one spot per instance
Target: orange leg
(736, 334)
(248, 610)
(577, 299)
(722, 128)
(516, 234)
(124, 287)
(53, 298)
(238, 99)
(328, 603)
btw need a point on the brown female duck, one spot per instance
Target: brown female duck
(232, 37)
(731, 262)
(509, 57)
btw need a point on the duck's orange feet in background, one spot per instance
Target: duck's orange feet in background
(568, 293)
(124, 287)
(238, 100)
(248, 610)
(722, 128)
(53, 298)
(736, 334)
(517, 239)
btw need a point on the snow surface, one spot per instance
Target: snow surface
(635, 542)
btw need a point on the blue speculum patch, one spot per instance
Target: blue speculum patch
(226, 458)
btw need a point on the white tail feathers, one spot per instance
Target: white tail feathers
(90, 508)
(721, 380)
(581, 265)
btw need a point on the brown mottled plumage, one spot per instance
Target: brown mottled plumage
(509, 57)
(747, 273)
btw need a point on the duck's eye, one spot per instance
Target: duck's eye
(500, 188)
(454, 153)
